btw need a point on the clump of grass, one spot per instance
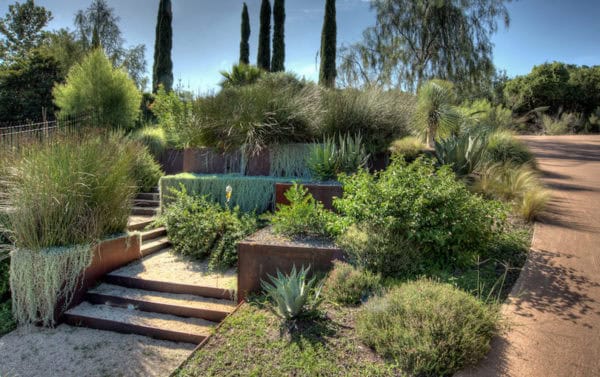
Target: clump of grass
(560, 125)
(428, 328)
(349, 285)
(155, 138)
(533, 202)
(503, 147)
(410, 147)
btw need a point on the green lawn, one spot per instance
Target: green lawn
(254, 342)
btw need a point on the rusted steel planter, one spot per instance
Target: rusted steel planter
(209, 161)
(322, 192)
(257, 259)
(108, 256)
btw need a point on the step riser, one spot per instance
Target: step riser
(147, 203)
(160, 286)
(139, 226)
(141, 211)
(125, 328)
(210, 315)
(153, 234)
(148, 196)
(150, 250)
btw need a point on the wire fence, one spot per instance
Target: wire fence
(15, 136)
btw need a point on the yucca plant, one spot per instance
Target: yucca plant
(436, 114)
(293, 294)
(464, 153)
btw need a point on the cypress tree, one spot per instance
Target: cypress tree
(162, 71)
(263, 60)
(278, 59)
(244, 43)
(327, 71)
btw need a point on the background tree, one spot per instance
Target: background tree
(95, 85)
(101, 21)
(414, 41)
(244, 42)
(26, 87)
(162, 71)
(22, 29)
(278, 60)
(327, 71)
(263, 59)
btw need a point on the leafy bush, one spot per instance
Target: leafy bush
(145, 170)
(348, 285)
(241, 74)
(69, 191)
(464, 153)
(381, 250)
(251, 194)
(428, 208)
(202, 229)
(482, 116)
(428, 328)
(178, 115)
(294, 295)
(152, 137)
(95, 86)
(346, 155)
(378, 115)
(410, 147)
(7, 322)
(304, 216)
(503, 147)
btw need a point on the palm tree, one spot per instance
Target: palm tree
(241, 74)
(436, 113)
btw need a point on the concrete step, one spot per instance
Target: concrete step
(154, 245)
(144, 211)
(148, 196)
(160, 302)
(153, 234)
(131, 321)
(137, 223)
(146, 203)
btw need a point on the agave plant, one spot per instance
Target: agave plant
(323, 160)
(293, 294)
(351, 153)
(464, 153)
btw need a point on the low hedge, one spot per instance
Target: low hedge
(250, 193)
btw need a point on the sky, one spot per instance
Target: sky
(206, 33)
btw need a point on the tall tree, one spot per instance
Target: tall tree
(162, 71)
(22, 29)
(244, 43)
(327, 71)
(99, 23)
(278, 59)
(413, 41)
(263, 60)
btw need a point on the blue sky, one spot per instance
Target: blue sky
(206, 32)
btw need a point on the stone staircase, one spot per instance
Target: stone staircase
(161, 295)
(146, 204)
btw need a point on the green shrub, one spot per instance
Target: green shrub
(379, 116)
(69, 191)
(381, 250)
(202, 229)
(145, 170)
(503, 147)
(152, 137)
(428, 328)
(348, 285)
(410, 147)
(251, 194)
(304, 216)
(178, 115)
(7, 322)
(428, 208)
(4, 276)
(482, 116)
(294, 295)
(344, 155)
(561, 125)
(95, 86)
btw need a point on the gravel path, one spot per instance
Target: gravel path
(555, 306)
(80, 352)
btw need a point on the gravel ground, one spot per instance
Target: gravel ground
(80, 352)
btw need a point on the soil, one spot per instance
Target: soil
(554, 308)
(268, 237)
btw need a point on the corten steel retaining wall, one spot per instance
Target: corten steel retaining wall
(108, 256)
(208, 161)
(258, 260)
(322, 192)
(171, 161)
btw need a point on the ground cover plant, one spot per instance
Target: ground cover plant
(349, 285)
(202, 229)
